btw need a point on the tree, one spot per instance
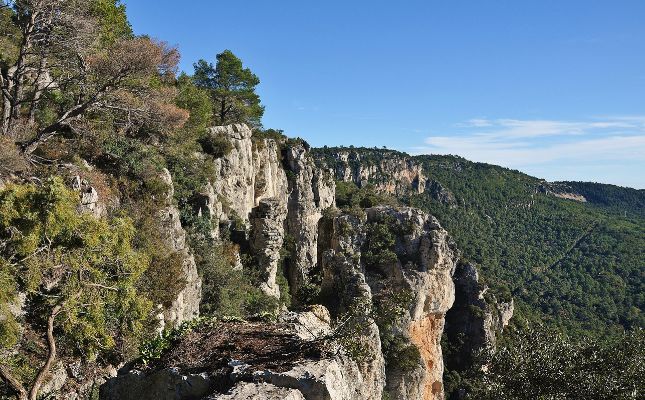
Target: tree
(197, 101)
(232, 89)
(79, 275)
(69, 64)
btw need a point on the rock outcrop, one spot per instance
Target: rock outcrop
(186, 305)
(423, 265)
(267, 236)
(346, 292)
(311, 190)
(426, 259)
(249, 172)
(248, 361)
(274, 195)
(89, 197)
(389, 171)
(259, 169)
(476, 319)
(560, 190)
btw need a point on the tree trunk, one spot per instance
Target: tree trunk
(222, 112)
(21, 65)
(51, 355)
(7, 100)
(40, 88)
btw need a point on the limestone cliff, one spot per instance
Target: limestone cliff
(186, 305)
(385, 277)
(311, 191)
(392, 172)
(423, 266)
(245, 175)
(388, 171)
(283, 174)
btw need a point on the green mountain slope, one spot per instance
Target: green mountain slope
(572, 264)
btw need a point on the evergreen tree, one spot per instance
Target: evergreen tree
(232, 89)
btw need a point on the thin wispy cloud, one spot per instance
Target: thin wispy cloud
(545, 144)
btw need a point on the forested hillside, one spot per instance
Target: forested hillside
(578, 265)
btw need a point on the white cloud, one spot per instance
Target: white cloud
(546, 144)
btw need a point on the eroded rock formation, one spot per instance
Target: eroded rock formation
(391, 172)
(256, 169)
(267, 236)
(186, 305)
(423, 266)
(311, 190)
(476, 319)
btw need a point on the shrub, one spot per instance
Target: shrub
(379, 246)
(215, 145)
(165, 278)
(574, 367)
(11, 161)
(390, 305)
(80, 273)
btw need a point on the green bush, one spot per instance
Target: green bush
(390, 305)
(379, 247)
(216, 145)
(93, 304)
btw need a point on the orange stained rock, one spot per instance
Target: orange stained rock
(426, 335)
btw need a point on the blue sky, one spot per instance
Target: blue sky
(552, 88)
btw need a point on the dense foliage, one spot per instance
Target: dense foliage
(232, 89)
(81, 95)
(540, 363)
(79, 273)
(622, 200)
(567, 263)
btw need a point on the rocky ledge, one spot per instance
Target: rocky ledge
(290, 359)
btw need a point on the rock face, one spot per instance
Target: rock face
(345, 290)
(89, 197)
(476, 319)
(311, 190)
(258, 169)
(388, 171)
(330, 379)
(426, 259)
(267, 235)
(560, 190)
(186, 305)
(423, 266)
(245, 175)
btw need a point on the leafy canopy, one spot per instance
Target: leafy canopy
(232, 89)
(62, 258)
